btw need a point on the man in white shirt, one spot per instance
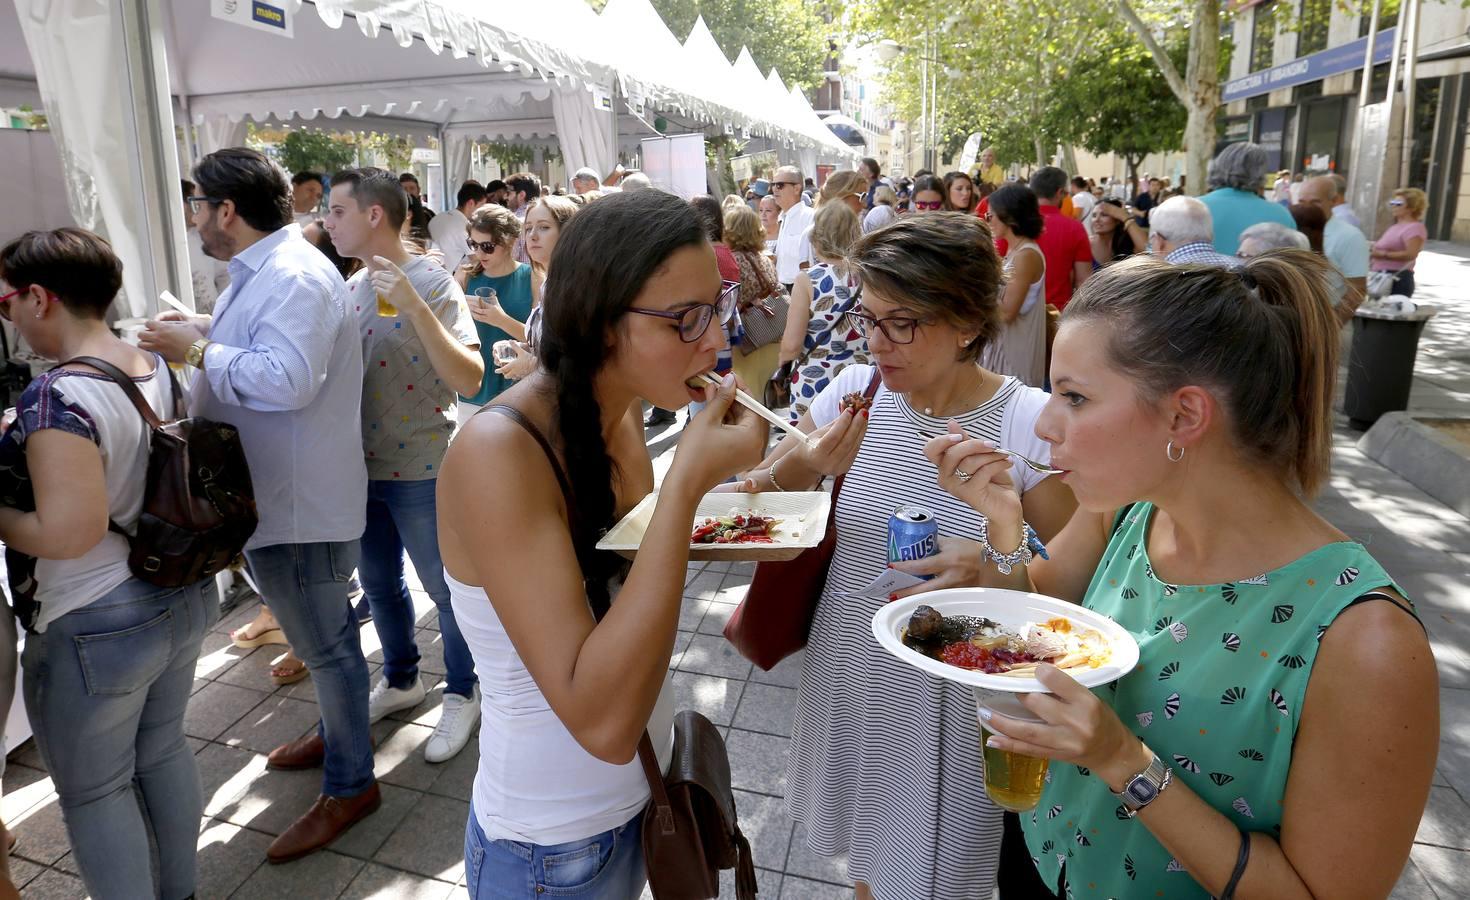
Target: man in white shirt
(1343, 245)
(1340, 207)
(450, 232)
(586, 180)
(1082, 202)
(793, 242)
(306, 197)
(281, 360)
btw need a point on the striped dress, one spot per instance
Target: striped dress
(885, 760)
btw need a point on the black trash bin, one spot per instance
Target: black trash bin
(1381, 363)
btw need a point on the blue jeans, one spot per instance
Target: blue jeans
(401, 515)
(306, 585)
(607, 866)
(105, 688)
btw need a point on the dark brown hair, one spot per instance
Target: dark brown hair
(1263, 339)
(77, 266)
(377, 187)
(498, 222)
(1311, 222)
(943, 266)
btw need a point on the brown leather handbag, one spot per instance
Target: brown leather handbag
(774, 619)
(690, 830)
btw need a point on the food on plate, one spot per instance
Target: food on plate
(972, 642)
(856, 402)
(735, 528)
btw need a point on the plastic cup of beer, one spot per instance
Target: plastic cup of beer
(1013, 781)
(386, 309)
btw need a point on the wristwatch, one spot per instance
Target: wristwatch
(194, 356)
(1145, 787)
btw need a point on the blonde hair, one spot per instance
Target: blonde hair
(1415, 200)
(743, 230)
(835, 228)
(839, 185)
(885, 196)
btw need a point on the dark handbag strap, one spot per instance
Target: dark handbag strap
(664, 810)
(136, 396)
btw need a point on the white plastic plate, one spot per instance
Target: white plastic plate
(803, 516)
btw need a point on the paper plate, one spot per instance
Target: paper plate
(803, 516)
(1001, 693)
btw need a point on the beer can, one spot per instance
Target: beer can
(913, 533)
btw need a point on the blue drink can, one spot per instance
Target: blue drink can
(913, 533)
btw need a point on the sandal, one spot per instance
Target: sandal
(269, 636)
(288, 670)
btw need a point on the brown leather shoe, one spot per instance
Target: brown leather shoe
(306, 752)
(326, 820)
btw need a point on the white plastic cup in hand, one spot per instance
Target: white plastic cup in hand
(487, 296)
(505, 352)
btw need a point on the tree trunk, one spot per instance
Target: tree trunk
(1069, 159)
(1132, 162)
(1203, 79)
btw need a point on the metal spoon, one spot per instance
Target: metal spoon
(1031, 464)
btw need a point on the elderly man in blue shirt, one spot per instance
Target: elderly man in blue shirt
(281, 360)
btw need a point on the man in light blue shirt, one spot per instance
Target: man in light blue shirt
(1341, 209)
(1343, 245)
(1237, 176)
(281, 360)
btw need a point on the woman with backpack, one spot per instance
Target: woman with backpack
(109, 659)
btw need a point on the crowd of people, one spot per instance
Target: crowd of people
(424, 387)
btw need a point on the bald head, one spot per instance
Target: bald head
(1320, 191)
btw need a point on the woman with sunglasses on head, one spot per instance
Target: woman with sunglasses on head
(572, 645)
(1399, 246)
(884, 765)
(498, 291)
(820, 340)
(927, 195)
(1277, 738)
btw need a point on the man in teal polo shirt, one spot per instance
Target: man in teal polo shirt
(1237, 177)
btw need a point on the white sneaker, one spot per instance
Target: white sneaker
(385, 699)
(457, 720)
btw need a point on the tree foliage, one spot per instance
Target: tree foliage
(315, 151)
(789, 35)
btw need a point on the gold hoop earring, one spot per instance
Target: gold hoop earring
(1169, 452)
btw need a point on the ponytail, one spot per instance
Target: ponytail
(1263, 339)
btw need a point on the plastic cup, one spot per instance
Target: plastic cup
(386, 309)
(1012, 781)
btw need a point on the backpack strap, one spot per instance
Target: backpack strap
(123, 381)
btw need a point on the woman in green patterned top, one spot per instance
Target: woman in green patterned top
(1284, 683)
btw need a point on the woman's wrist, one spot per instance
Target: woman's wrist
(1131, 758)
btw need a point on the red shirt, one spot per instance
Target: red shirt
(730, 269)
(1063, 242)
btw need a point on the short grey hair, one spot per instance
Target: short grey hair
(793, 171)
(1182, 220)
(1241, 166)
(1340, 184)
(635, 182)
(1275, 236)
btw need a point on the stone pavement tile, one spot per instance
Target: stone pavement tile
(758, 762)
(803, 862)
(54, 885)
(67, 864)
(254, 669)
(457, 776)
(227, 773)
(274, 722)
(427, 711)
(241, 615)
(322, 874)
(1454, 739)
(681, 643)
(1411, 885)
(399, 758)
(217, 655)
(786, 673)
(364, 839)
(27, 754)
(764, 823)
(24, 788)
(766, 708)
(735, 586)
(239, 789)
(767, 883)
(802, 889)
(377, 882)
(41, 833)
(715, 618)
(1449, 638)
(431, 652)
(691, 612)
(1446, 821)
(1447, 871)
(705, 586)
(23, 872)
(431, 840)
(1439, 780)
(709, 655)
(715, 698)
(228, 856)
(218, 706)
(693, 572)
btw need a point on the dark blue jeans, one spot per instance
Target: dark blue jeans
(401, 515)
(106, 687)
(306, 585)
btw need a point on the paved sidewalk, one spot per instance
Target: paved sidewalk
(412, 847)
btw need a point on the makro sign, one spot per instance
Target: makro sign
(1332, 61)
(257, 14)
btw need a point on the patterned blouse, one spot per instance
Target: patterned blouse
(832, 343)
(1217, 694)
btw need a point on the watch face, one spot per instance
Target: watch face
(1141, 790)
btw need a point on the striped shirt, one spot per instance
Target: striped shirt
(885, 761)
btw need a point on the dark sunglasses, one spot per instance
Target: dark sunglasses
(483, 246)
(928, 204)
(779, 184)
(694, 321)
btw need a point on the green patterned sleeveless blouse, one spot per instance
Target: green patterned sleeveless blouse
(1217, 694)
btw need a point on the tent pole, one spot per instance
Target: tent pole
(444, 164)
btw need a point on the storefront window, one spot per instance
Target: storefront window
(1322, 135)
(1316, 15)
(1263, 37)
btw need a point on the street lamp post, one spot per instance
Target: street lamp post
(888, 51)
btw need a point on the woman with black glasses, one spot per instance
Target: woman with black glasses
(884, 765)
(498, 291)
(572, 645)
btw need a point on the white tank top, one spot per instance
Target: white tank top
(535, 783)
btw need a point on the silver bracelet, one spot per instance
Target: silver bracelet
(1005, 562)
(771, 473)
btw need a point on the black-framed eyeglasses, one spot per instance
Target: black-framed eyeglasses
(5, 303)
(483, 246)
(694, 320)
(195, 201)
(898, 329)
